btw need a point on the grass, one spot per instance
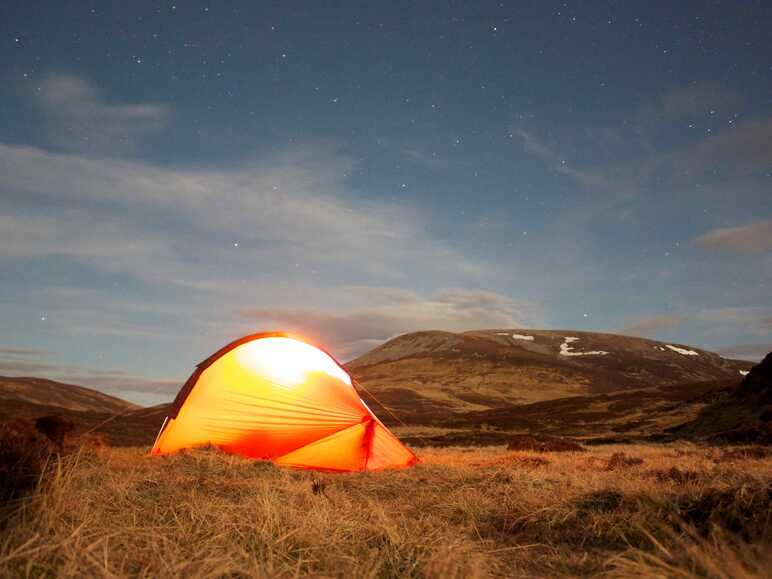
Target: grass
(665, 510)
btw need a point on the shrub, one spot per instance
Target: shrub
(55, 428)
(23, 456)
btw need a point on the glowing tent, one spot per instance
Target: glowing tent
(270, 396)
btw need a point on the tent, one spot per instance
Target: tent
(274, 397)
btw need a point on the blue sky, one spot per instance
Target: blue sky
(176, 175)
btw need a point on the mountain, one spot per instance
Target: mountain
(56, 395)
(440, 377)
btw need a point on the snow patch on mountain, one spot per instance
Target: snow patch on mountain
(566, 350)
(525, 337)
(682, 351)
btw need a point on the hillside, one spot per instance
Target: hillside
(745, 415)
(579, 384)
(627, 415)
(56, 395)
(427, 377)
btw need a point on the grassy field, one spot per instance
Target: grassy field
(657, 510)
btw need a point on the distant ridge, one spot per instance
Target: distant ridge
(52, 394)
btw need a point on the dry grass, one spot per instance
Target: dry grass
(461, 513)
(542, 443)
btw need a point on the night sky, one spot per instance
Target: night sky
(176, 175)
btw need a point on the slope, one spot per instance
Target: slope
(56, 395)
(432, 377)
(744, 415)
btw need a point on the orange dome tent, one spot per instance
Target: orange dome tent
(274, 397)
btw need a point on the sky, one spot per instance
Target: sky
(175, 175)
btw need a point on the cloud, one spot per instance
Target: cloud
(708, 322)
(351, 333)
(429, 159)
(697, 100)
(103, 380)
(752, 352)
(131, 254)
(745, 148)
(654, 326)
(591, 179)
(731, 315)
(752, 238)
(286, 213)
(108, 242)
(646, 157)
(535, 147)
(82, 119)
(23, 352)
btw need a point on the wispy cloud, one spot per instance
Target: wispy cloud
(104, 380)
(290, 211)
(599, 182)
(106, 241)
(691, 101)
(751, 238)
(25, 352)
(535, 147)
(752, 352)
(429, 159)
(654, 326)
(744, 148)
(641, 155)
(353, 332)
(82, 119)
(708, 322)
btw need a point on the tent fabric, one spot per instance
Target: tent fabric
(275, 397)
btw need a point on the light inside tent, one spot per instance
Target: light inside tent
(288, 362)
